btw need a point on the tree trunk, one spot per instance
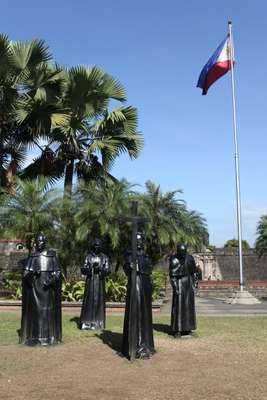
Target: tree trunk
(69, 171)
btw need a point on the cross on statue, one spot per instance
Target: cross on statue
(135, 220)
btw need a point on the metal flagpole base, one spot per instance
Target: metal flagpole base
(243, 297)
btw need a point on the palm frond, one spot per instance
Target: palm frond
(116, 134)
(47, 164)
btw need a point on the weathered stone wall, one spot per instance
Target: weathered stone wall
(223, 264)
(10, 255)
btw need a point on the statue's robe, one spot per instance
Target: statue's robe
(41, 300)
(143, 308)
(93, 312)
(183, 314)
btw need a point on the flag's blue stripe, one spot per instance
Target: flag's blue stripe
(210, 63)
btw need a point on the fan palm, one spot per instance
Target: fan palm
(30, 87)
(92, 137)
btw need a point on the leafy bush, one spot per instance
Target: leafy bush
(13, 287)
(116, 286)
(72, 291)
(159, 279)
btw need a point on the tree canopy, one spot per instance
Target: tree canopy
(78, 123)
(261, 240)
(233, 243)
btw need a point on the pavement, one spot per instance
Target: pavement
(215, 307)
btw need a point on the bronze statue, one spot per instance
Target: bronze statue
(41, 297)
(96, 267)
(182, 270)
(138, 331)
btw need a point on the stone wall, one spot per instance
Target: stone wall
(223, 264)
(10, 255)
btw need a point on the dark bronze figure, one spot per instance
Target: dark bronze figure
(182, 272)
(138, 330)
(41, 297)
(96, 267)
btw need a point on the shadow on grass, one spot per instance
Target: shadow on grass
(111, 339)
(76, 320)
(163, 328)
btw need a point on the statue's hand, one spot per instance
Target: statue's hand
(175, 286)
(96, 266)
(47, 283)
(51, 281)
(28, 276)
(84, 271)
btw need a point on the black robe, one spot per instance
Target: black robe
(41, 300)
(183, 314)
(143, 308)
(93, 312)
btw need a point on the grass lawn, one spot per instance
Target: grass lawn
(226, 359)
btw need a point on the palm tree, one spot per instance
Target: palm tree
(261, 240)
(102, 212)
(62, 234)
(169, 222)
(161, 210)
(92, 137)
(30, 87)
(28, 210)
(193, 229)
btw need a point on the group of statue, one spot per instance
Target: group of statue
(41, 298)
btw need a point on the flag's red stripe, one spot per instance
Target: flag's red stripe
(216, 72)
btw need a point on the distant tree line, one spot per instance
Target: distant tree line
(97, 209)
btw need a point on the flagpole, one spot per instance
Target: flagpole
(237, 175)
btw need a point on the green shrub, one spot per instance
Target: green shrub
(13, 287)
(116, 286)
(72, 291)
(159, 279)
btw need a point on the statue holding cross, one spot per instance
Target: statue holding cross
(138, 331)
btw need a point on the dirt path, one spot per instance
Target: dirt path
(188, 369)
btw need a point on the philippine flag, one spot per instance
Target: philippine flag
(218, 65)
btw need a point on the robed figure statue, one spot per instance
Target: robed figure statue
(41, 297)
(182, 270)
(138, 330)
(96, 267)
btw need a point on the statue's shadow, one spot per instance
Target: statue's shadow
(163, 328)
(111, 339)
(76, 320)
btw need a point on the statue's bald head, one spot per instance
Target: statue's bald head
(181, 249)
(40, 241)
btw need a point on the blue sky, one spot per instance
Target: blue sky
(157, 50)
